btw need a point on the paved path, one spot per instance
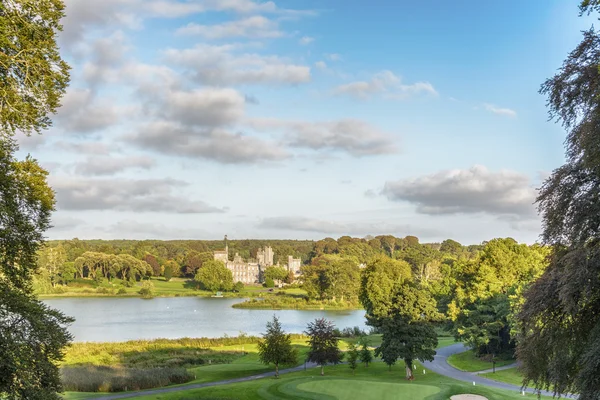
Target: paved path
(485, 371)
(440, 365)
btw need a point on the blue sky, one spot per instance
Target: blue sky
(288, 119)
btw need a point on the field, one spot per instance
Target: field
(468, 361)
(374, 382)
(511, 375)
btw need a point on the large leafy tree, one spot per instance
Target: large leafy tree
(214, 275)
(33, 78)
(559, 347)
(32, 74)
(31, 334)
(276, 346)
(323, 343)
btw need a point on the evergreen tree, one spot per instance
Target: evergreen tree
(276, 346)
(365, 353)
(352, 356)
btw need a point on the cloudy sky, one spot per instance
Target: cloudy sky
(305, 119)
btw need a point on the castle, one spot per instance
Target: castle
(250, 272)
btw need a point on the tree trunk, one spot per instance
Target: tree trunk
(409, 373)
(322, 370)
(276, 370)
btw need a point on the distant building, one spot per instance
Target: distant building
(243, 271)
(294, 265)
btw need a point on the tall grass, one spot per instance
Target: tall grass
(118, 379)
(295, 303)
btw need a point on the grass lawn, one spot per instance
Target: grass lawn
(511, 375)
(467, 361)
(374, 382)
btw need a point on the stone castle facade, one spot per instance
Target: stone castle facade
(250, 272)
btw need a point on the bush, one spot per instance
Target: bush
(269, 283)
(116, 379)
(103, 290)
(122, 291)
(60, 289)
(238, 287)
(147, 290)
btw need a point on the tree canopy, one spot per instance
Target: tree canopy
(323, 343)
(559, 345)
(276, 346)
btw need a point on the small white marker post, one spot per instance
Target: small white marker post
(423, 372)
(522, 393)
(473, 383)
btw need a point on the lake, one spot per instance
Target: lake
(120, 319)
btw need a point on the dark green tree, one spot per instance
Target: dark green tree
(238, 287)
(31, 335)
(366, 356)
(559, 345)
(276, 347)
(352, 356)
(323, 343)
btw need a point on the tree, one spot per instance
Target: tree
(214, 276)
(559, 344)
(365, 354)
(33, 75)
(323, 343)
(352, 356)
(401, 311)
(238, 287)
(331, 277)
(31, 335)
(171, 268)
(153, 263)
(276, 347)
(275, 273)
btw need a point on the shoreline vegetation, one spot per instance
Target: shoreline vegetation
(257, 297)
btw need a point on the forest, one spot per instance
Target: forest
(474, 290)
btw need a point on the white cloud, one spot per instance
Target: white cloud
(83, 113)
(145, 195)
(505, 112)
(333, 56)
(305, 40)
(362, 228)
(387, 84)
(203, 107)
(251, 27)
(476, 190)
(112, 165)
(321, 65)
(218, 65)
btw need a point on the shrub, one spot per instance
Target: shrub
(147, 290)
(122, 291)
(103, 290)
(116, 379)
(269, 283)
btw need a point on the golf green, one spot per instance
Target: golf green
(342, 389)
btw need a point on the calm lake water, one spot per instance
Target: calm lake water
(114, 319)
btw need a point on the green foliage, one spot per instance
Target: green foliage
(276, 346)
(171, 269)
(269, 283)
(214, 276)
(276, 273)
(378, 283)
(118, 379)
(352, 356)
(147, 290)
(487, 292)
(323, 343)
(238, 287)
(365, 353)
(33, 75)
(332, 277)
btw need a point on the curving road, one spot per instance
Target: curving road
(439, 365)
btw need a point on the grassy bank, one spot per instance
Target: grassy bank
(468, 361)
(176, 287)
(294, 303)
(511, 375)
(142, 364)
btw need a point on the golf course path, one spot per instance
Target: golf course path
(485, 371)
(440, 365)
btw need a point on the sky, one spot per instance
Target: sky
(194, 119)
